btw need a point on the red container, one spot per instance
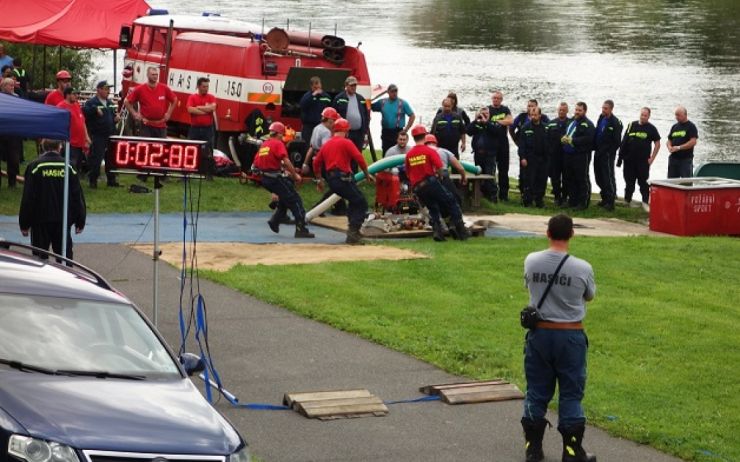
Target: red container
(387, 190)
(695, 206)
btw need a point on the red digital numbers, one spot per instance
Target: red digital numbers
(152, 155)
(141, 159)
(122, 154)
(155, 158)
(191, 158)
(176, 156)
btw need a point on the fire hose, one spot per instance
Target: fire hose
(383, 164)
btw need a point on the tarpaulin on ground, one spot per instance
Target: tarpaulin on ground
(21, 117)
(72, 23)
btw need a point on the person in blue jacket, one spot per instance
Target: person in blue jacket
(312, 103)
(485, 146)
(578, 143)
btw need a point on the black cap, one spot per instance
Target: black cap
(392, 87)
(69, 90)
(101, 84)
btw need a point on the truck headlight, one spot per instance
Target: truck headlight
(36, 450)
(240, 456)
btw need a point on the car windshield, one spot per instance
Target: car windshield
(71, 335)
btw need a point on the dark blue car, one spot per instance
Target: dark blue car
(84, 377)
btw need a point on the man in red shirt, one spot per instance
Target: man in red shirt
(156, 103)
(79, 140)
(423, 167)
(269, 161)
(336, 156)
(64, 80)
(201, 107)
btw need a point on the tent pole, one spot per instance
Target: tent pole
(114, 71)
(65, 207)
(43, 71)
(60, 57)
(33, 65)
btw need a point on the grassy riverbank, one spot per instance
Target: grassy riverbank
(664, 351)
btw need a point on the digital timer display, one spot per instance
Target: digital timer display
(156, 154)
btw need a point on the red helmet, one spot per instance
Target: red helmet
(341, 125)
(330, 113)
(277, 127)
(63, 75)
(417, 130)
(430, 139)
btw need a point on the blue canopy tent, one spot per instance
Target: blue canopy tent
(28, 119)
(21, 117)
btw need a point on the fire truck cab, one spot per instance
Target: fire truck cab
(252, 74)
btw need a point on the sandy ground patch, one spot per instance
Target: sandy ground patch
(221, 256)
(537, 224)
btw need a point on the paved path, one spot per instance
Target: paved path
(263, 351)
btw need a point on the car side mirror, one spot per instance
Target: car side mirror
(192, 363)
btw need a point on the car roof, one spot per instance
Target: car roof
(26, 274)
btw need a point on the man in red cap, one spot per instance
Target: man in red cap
(336, 157)
(423, 168)
(156, 103)
(269, 162)
(64, 80)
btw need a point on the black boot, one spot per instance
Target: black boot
(439, 234)
(572, 449)
(274, 221)
(302, 232)
(353, 236)
(462, 232)
(534, 431)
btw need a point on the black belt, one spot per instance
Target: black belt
(268, 173)
(422, 184)
(344, 176)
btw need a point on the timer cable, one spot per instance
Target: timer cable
(197, 312)
(130, 247)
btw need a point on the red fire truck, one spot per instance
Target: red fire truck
(251, 72)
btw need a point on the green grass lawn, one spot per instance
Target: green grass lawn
(664, 354)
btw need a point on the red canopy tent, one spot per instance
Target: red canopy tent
(70, 23)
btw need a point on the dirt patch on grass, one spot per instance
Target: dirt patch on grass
(221, 256)
(537, 224)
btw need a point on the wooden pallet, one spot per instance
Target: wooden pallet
(474, 392)
(339, 404)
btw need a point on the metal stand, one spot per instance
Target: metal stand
(156, 252)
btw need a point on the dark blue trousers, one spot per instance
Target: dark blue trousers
(436, 198)
(288, 198)
(604, 174)
(487, 163)
(99, 152)
(555, 356)
(680, 168)
(204, 133)
(347, 189)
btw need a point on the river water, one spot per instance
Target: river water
(657, 54)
